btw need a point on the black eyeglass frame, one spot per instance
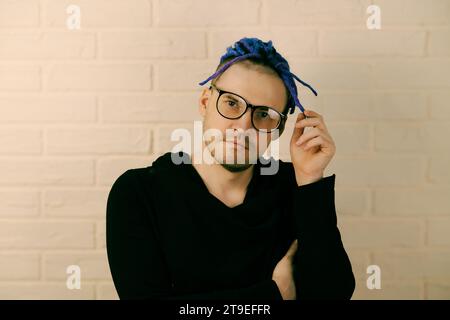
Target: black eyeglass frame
(280, 124)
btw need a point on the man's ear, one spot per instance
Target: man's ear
(203, 101)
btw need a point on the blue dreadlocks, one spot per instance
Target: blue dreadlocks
(255, 48)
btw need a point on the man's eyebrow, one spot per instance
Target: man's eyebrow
(229, 95)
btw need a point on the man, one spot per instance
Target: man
(222, 230)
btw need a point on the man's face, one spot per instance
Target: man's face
(257, 88)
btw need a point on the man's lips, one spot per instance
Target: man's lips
(238, 144)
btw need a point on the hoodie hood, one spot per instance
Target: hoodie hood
(171, 159)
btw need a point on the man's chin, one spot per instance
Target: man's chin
(234, 161)
(236, 167)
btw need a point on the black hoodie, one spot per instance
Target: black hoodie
(169, 238)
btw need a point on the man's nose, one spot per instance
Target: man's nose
(244, 122)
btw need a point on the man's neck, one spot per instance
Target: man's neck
(219, 180)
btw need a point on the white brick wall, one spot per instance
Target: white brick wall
(79, 107)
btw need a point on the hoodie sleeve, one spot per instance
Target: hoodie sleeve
(322, 269)
(135, 259)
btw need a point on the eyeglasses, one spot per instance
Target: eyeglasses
(233, 106)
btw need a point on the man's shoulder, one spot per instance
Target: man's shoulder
(162, 162)
(134, 175)
(127, 178)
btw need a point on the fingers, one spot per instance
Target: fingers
(298, 131)
(309, 122)
(317, 141)
(313, 133)
(290, 253)
(313, 119)
(318, 135)
(312, 113)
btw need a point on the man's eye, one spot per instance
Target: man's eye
(231, 103)
(262, 114)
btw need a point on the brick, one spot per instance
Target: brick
(18, 266)
(420, 137)
(308, 101)
(164, 142)
(399, 106)
(412, 201)
(182, 76)
(107, 291)
(328, 75)
(409, 264)
(318, 12)
(352, 201)
(380, 233)
(42, 235)
(110, 168)
(437, 232)
(290, 41)
(347, 107)
(101, 233)
(195, 13)
(50, 109)
(20, 141)
(160, 108)
(19, 203)
(47, 45)
(370, 107)
(14, 77)
(98, 77)
(21, 172)
(364, 43)
(414, 12)
(438, 44)
(351, 138)
(438, 290)
(411, 74)
(440, 106)
(88, 203)
(378, 171)
(115, 140)
(19, 13)
(438, 170)
(114, 13)
(390, 290)
(153, 44)
(93, 266)
(45, 291)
